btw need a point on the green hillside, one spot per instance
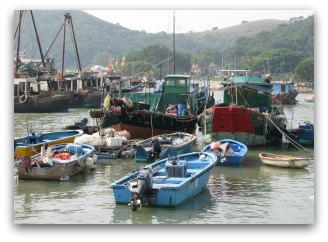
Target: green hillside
(94, 36)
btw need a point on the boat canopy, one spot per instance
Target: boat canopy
(251, 86)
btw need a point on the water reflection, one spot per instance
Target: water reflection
(192, 211)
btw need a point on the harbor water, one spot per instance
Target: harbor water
(252, 193)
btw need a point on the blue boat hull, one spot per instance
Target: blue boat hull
(240, 151)
(172, 197)
(304, 135)
(167, 149)
(170, 191)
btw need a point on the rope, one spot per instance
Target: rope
(151, 125)
(296, 145)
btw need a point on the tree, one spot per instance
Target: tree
(304, 71)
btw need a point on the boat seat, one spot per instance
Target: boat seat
(192, 171)
(196, 165)
(157, 186)
(159, 179)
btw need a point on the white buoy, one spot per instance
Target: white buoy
(43, 151)
(89, 162)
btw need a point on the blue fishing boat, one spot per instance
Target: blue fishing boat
(162, 146)
(229, 152)
(304, 134)
(31, 144)
(59, 162)
(126, 151)
(168, 182)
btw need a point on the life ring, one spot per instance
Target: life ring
(76, 96)
(23, 99)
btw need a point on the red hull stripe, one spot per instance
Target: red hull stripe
(232, 119)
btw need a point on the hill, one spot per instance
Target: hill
(94, 36)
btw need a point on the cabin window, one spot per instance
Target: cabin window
(283, 88)
(232, 92)
(181, 83)
(170, 83)
(250, 93)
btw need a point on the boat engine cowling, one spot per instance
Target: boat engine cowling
(156, 149)
(144, 185)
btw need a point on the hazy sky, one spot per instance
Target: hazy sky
(153, 21)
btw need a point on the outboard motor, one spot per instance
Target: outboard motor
(144, 185)
(223, 149)
(156, 149)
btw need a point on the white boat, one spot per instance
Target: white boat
(310, 99)
(284, 160)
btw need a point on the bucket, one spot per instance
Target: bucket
(159, 87)
(181, 107)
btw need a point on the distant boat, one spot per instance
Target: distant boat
(229, 152)
(59, 163)
(35, 81)
(40, 101)
(284, 160)
(284, 93)
(31, 144)
(309, 99)
(304, 134)
(162, 146)
(168, 182)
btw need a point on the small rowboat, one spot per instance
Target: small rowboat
(59, 162)
(163, 146)
(284, 160)
(229, 152)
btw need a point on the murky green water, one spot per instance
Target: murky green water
(250, 194)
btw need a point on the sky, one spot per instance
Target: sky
(154, 21)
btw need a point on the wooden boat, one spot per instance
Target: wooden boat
(304, 134)
(35, 81)
(149, 114)
(309, 99)
(31, 144)
(229, 152)
(284, 160)
(168, 182)
(162, 146)
(247, 114)
(59, 163)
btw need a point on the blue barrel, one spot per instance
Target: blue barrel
(181, 107)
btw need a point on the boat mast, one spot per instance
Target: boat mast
(38, 40)
(18, 43)
(21, 13)
(173, 42)
(68, 20)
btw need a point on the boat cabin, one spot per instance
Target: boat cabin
(282, 87)
(249, 91)
(177, 84)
